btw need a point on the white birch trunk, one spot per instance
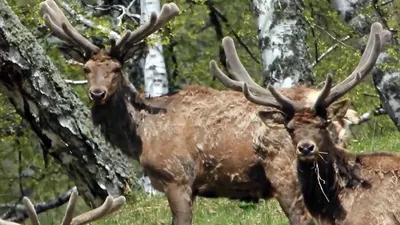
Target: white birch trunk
(155, 73)
(282, 41)
(345, 8)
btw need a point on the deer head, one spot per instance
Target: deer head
(109, 206)
(102, 67)
(307, 125)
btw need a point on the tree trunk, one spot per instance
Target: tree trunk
(56, 114)
(386, 80)
(282, 40)
(155, 73)
(387, 84)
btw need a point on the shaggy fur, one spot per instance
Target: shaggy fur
(202, 142)
(340, 187)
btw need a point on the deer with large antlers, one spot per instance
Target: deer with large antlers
(109, 206)
(197, 142)
(338, 187)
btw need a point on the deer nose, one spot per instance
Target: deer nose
(97, 94)
(306, 148)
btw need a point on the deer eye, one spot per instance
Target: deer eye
(324, 124)
(289, 129)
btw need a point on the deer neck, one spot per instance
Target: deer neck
(319, 184)
(119, 120)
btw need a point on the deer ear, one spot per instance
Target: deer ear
(338, 109)
(72, 53)
(273, 118)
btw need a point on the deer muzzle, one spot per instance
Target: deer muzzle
(306, 149)
(97, 94)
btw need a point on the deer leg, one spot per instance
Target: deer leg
(287, 191)
(180, 201)
(295, 210)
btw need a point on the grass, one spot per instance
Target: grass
(153, 210)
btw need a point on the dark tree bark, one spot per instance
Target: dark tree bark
(56, 115)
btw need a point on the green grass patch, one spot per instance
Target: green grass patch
(155, 211)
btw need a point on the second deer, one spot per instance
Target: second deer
(338, 187)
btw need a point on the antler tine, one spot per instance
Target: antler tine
(55, 19)
(377, 38)
(225, 80)
(266, 101)
(236, 69)
(70, 208)
(272, 98)
(5, 222)
(129, 36)
(117, 204)
(168, 12)
(94, 214)
(324, 93)
(286, 103)
(235, 66)
(31, 211)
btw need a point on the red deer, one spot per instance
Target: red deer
(338, 187)
(197, 142)
(109, 206)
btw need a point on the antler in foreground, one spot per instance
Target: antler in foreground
(273, 98)
(109, 206)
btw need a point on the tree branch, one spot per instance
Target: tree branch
(379, 13)
(330, 49)
(120, 8)
(88, 22)
(22, 214)
(228, 25)
(76, 82)
(218, 30)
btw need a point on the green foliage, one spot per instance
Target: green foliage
(197, 44)
(22, 167)
(326, 29)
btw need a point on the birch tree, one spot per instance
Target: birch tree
(282, 41)
(155, 73)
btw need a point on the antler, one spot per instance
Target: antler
(244, 82)
(55, 19)
(273, 98)
(109, 206)
(377, 38)
(131, 38)
(122, 49)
